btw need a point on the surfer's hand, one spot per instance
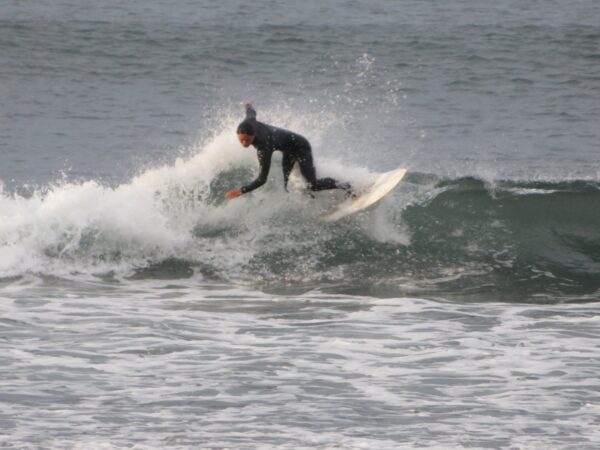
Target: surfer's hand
(233, 193)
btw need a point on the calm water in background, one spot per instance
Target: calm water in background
(137, 308)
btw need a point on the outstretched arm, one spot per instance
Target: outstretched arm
(264, 161)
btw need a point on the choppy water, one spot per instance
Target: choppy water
(162, 365)
(140, 309)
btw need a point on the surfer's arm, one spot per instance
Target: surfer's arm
(264, 161)
(250, 111)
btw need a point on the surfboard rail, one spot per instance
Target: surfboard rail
(384, 183)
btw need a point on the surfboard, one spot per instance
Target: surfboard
(384, 183)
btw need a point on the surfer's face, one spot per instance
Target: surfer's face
(246, 139)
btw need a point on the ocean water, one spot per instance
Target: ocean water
(138, 309)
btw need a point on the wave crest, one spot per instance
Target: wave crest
(449, 237)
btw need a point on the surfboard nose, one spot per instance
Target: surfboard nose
(384, 183)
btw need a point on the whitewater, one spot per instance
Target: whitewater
(140, 309)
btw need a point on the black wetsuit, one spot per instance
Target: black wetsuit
(295, 148)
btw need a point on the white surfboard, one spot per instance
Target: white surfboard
(383, 185)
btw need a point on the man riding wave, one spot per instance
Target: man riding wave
(295, 148)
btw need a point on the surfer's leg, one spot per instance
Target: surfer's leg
(307, 168)
(308, 171)
(287, 164)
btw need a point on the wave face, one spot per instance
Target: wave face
(457, 238)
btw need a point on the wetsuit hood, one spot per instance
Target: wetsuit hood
(246, 128)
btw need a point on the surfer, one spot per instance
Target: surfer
(295, 148)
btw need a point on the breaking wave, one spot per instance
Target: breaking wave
(462, 237)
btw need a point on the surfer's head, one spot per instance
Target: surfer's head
(246, 134)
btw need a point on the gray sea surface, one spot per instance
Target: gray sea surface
(103, 89)
(138, 309)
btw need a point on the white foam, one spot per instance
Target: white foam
(87, 227)
(149, 217)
